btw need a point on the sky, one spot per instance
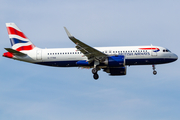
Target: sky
(35, 92)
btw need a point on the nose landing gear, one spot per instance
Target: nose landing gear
(154, 71)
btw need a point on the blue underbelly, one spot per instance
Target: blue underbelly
(128, 62)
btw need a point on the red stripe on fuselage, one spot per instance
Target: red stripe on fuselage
(149, 48)
(12, 31)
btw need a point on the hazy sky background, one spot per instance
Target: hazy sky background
(34, 92)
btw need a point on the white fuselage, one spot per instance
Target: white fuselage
(67, 57)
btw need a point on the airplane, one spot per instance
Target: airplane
(112, 60)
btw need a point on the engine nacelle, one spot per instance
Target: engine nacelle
(115, 61)
(116, 71)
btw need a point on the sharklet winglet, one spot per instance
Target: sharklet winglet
(68, 33)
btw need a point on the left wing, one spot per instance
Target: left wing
(90, 52)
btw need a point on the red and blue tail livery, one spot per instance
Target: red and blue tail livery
(18, 39)
(112, 60)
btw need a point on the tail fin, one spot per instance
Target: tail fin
(18, 40)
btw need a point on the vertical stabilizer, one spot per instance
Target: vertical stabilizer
(18, 39)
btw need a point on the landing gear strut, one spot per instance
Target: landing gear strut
(94, 71)
(154, 71)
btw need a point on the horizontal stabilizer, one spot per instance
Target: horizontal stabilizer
(15, 52)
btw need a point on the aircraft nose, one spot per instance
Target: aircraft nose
(175, 57)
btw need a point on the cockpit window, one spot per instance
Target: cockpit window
(166, 50)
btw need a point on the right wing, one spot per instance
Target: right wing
(90, 52)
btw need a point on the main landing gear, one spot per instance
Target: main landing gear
(94, 71)
(154, 71)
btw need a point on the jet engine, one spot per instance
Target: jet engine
(115, 61)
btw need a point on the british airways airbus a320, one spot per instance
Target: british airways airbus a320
(112, 60)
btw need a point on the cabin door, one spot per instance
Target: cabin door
(39, 54)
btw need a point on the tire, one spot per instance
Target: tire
(94, 71)
(154, 72)
(95, 76)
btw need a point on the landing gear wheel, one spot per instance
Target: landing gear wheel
(96, 76)
(154, 72)
(94, 70)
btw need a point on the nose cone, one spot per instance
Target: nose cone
(175, 57)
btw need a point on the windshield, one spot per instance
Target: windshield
(166, 50)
